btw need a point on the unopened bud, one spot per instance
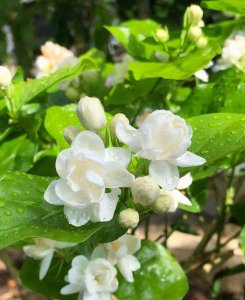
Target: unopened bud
(70, 133)
(202, 42)
(193, 15)
(115, 120)
(145, 191)
(129, 218)
(162, 35)
(5, 77)
(163, 203)
(91, 113)
(194, 33)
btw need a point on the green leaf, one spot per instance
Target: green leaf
(234, 6)
(134, 36)
(24, 213)
(224, 95)
(160, 276)
(57, 119)
(179, 69)
(17, 154)
(217, 135)
(23, 92)
(52, 283)
(242, 242)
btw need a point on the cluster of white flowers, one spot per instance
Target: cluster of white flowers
(44, 249)
(233, 53)
(53, 57)
(96, 278)
(88, 169)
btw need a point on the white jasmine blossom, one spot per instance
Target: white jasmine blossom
(233, 53)
(162, 35)
(44, 249)
(86, 170)
(120, 253)
(193, 15)
(93, 280)
(129, 218)
(163, 138)
(5, 77)
(141, 117)
(202, 74)
(91, 113)
(53, 57)
(145, 190)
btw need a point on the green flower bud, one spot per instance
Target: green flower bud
(129, 218)
(162, 35)
(202, 42)
(145, 191)
(194, 33)
(193, 15)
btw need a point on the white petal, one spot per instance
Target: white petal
(127, 265)
(45, 264)
(117, 176)
(50, 195)
(62, 161)
(178, 196)
(165, 174)
(132, 243)
(128, 135)
(184, 182)
(77, 217)
(70, 289)
(189, 159)
(99, 252)
(202, 75)
(80, 260)
(120, 155)
(90, 145)
(68, 196)
(104, 210)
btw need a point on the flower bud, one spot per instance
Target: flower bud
(5, 77)
(115, 120)
(194, 33)
(202, 42)
(162, 35)
(163, 203)
(193, 15)
(145, 191)
(70, 133)
(91, 113)
(129, 218)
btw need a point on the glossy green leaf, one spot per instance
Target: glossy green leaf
(17, 154)
(134, 35)
(226, 94)
(160, 276)
(217, 135)
(24, 213)
(234, 6)
(179, 69)
(242, 242)
(57, 119)
(23, 92)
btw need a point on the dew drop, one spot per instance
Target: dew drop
(8, 213)
(19, 211)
